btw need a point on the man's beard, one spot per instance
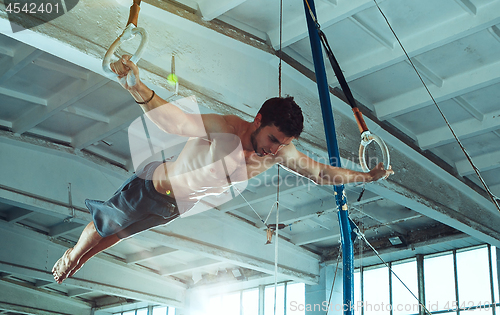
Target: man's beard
(254, 141)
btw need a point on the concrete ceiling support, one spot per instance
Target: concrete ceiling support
(211, 10)
(16, 215)
(100, 131)
(194, 265)
(242, 259)
(66, 97)
(138, 257)
(23, 96)
(455, 86)
(327, 15)
(483, 162)
(464, 129)
(469, 108)
(101, 275)
(22, 57)
(468, 6)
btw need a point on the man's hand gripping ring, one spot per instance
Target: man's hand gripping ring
(130, 32)
(366, 138)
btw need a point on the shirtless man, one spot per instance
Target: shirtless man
(154, 194)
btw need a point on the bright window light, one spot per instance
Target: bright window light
(159, 310)
(250, 302)
(269, 300)
(376, 291)
(230, 304)
(495, 272)
(403, 302)
(295, 298)
(473, 277)
(357, 292)
(439, 279)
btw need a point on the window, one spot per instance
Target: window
(250, 302)
(439, 279)
(473, 277)
(269, 300)
(230, 304)
(494, 274)
(376, 291)
(357, 292)
(403, 302)
(295, 296)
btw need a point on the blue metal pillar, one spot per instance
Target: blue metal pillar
(333, 152)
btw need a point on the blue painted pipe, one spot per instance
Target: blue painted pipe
(333, 152)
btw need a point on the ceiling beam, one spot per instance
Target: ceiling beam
(452, 87)
(156, 252)
(64, 228)
(443, 34)
(469, 108)
(495, 32)
(262, 193)
(77, 292)
(258, 232)
(358, 21)
(61, 100)
(18, 214)
(483, 162)
(101, 287)
(222, 254)
(426, 72)
(99, 131)
(23, 56)
(213, 9)
(316, 235)
(327, 14)
(33, 289)
(23, 96)
(440, 234)
(65, 69)
(11, 308)
(468, 6)
(193, 265)
(82, 112)
(463, 129)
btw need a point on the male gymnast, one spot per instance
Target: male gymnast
(161, 191)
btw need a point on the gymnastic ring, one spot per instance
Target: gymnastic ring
(130, 32)
(366, 138)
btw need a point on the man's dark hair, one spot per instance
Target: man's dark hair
(284, 113)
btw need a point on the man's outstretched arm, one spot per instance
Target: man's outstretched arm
(166, 116)
(324, 174)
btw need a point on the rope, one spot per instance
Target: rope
(334, 278)
(278, 188)
(493, 198)
(276, 241)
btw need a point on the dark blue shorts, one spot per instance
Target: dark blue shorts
(135, 207)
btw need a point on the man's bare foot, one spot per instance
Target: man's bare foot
(77, 267)
(63, 267)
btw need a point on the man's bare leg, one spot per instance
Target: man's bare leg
(88, 239)
(104, 244)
